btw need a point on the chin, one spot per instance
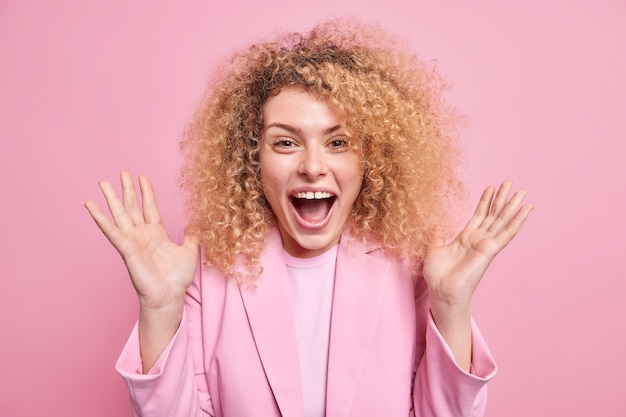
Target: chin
(308, 246)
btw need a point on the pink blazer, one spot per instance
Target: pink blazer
(235, 353)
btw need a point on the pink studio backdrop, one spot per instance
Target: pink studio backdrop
(89, 88)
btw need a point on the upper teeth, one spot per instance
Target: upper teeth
(310, 195)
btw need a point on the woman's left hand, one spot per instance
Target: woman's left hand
(453, 271)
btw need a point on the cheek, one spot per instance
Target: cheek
(270, 179)
(273, 175)
(270, 187)
(356, 187)
(268, 167)
(265, 172)
(354, 177)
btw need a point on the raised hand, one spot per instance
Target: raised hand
(453, 271)
(160, 270)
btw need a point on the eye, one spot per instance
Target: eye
(338, 143)
(284, 143)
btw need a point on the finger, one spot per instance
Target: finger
(482, 209)
(438, 240)
(191, 241)
(120, 217)
(131, 204)
(510, 230)
(516, 223)
(101, 219)
(105, 224)
(151, 212)
(496, 205)
(501, 198)
(509, 211)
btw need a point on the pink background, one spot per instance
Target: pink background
(89, 88)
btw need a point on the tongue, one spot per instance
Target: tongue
(312, 210)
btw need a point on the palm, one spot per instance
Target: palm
(157, 266)
(160, 269)
(454, 271)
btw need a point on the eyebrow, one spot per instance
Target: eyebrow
(297, 130)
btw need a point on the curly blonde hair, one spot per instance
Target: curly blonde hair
(390, 103)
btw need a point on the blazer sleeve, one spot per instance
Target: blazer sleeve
(176, 385)
(441, 388)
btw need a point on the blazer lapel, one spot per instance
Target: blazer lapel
(270, 314)
(358, 295)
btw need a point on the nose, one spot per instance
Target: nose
(313, 163)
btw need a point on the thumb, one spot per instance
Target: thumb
(190, 241)
(439, 239)
(438, 242)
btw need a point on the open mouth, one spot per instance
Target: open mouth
(313, 207)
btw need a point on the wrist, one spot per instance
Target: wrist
(444, 301)
(157, 326)
(454, 323)
(170, 312)
(449, 313)
(445, 313)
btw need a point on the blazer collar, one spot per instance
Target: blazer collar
(270, 314)
(357, 298)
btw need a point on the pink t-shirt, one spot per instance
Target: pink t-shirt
(312, 281)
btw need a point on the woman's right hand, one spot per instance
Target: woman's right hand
(160, 270)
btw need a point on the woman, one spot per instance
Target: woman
(321, 180)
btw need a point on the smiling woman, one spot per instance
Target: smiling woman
(387, 102)
(310, 175)
(314, 278)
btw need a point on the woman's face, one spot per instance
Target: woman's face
(310, 174)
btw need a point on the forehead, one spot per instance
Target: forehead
(297, 107)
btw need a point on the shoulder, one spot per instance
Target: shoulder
(365, 253)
